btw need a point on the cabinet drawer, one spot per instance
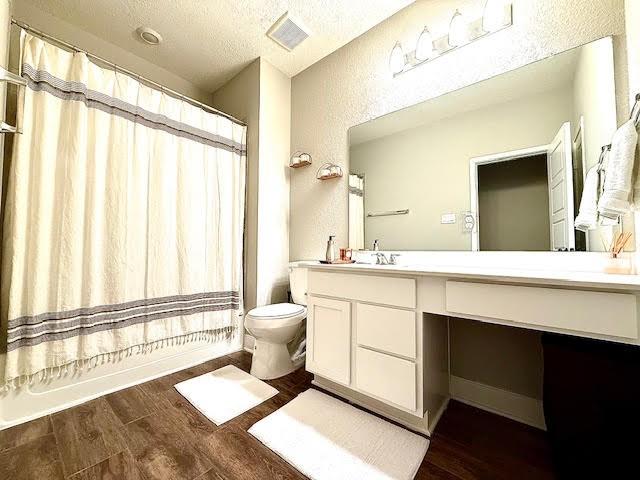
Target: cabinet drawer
(388, 378)
(387, 329)
(589, 312)
(394, 291)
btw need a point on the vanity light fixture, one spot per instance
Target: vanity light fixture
(424, 47)
(497, 15)
(397, 59)
(458, 30)
(493, 17)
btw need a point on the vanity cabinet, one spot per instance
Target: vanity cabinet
(366, 342)
(378, 335)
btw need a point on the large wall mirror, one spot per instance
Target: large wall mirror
(498, 165)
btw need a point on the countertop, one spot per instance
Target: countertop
(585, 279)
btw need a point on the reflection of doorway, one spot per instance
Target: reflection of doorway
(523, 200)
(513, 205)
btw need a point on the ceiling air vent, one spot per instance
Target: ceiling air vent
(287, 33)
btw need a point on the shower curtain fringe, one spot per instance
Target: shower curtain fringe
(77, 367)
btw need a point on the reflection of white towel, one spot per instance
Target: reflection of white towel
(617, 184)
(636, 185)
(587, 218)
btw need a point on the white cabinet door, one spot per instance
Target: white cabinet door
(329, 339)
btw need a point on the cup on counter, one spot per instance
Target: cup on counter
(345, 254)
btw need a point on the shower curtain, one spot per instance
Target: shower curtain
(356, 212)
(124, 220)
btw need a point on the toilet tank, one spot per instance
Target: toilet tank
(298, 281)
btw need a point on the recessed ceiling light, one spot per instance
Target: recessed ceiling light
(149, 35)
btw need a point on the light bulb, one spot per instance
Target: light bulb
(493, 16)
(458, 30)
(396, 60)
(424, 47)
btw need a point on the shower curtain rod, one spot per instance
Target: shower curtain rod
(118, 68)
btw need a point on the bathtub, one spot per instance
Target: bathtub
(33, 401)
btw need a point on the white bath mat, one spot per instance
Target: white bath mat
(225, 393)
(327, 439)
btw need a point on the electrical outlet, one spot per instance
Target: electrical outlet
(468, 221)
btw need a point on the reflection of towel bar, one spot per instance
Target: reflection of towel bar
(387, 214)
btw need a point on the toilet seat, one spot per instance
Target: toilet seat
(276, 315)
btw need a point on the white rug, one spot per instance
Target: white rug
(327, 439)
(225, 393)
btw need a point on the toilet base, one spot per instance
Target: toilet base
(270, 360)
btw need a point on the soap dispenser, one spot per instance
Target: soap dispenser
(331, 250)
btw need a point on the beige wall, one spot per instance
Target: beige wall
(426, 169)
(595, 62)
(354, 85)
(261, 95)
(598, 111)
(503, 357)
(273, 185)
(632, 20)
(240, 97)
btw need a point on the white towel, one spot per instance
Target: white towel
(636, 185)
(587, 218)
(618, 180)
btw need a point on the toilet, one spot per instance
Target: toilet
(274, 326)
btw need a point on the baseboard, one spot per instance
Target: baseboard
(517, 407)
(435, 418)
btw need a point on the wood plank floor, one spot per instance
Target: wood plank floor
(151, 432)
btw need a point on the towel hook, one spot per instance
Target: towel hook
(635, 117)
(603, 154)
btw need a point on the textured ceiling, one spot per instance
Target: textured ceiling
(209, 41)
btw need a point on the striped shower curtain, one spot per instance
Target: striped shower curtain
(123, 220)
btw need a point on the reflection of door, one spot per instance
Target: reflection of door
(580, 169)
(559, 168)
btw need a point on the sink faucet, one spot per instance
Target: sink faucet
(381, 259)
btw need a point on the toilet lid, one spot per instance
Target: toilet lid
(277, 310)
